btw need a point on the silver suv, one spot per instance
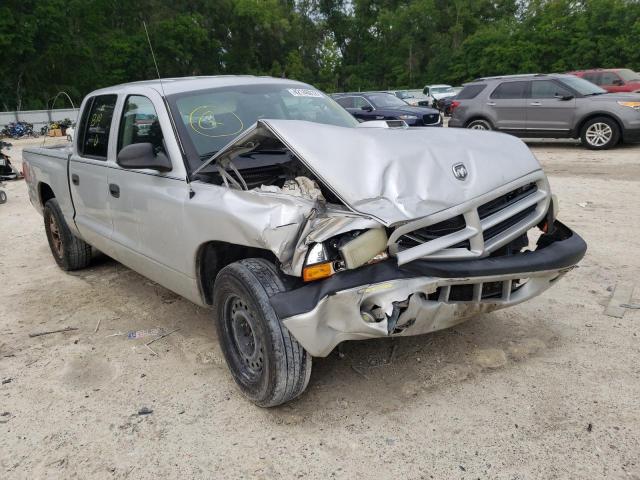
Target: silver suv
(552, 106)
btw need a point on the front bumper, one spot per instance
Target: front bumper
(631, 135)
(421, 296)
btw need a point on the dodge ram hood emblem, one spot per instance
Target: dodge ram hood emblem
(460, 171)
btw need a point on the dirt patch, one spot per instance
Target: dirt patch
(508, 394)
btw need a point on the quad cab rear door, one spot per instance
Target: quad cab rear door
(88, 170)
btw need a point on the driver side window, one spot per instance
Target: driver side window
(139, 124)
(360, 102)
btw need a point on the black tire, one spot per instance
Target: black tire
(600, 133)
(69, 252)
(479, 124)
(266, 361)
(3, 197)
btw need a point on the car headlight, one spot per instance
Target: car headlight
(407, 117)
(634, 105)
(345, 252)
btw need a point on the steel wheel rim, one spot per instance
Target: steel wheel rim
(56, 240)
(247, 348)
(599, 134)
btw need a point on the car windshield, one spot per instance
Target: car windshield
(629, 75)
(416, 94)
(381, 100)
(582, 86)
(207, 120)
(441, 90)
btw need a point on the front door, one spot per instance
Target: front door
(505, 106)
(550, 107)
(146, 205)
(88, 171)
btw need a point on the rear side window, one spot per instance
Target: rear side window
(470, 91)
(592, 77)
(510, 90)
(96, 125)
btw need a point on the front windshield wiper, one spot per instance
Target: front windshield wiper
(208, 155)
(594, 93)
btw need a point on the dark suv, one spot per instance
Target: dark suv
(552, 106)
(385, 106)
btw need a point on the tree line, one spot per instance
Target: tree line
(337, 45)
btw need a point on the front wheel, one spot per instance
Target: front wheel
(266, 361)
(3, 197)
(600, 133)
(479, 124)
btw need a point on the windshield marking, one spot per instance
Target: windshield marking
(207, 117)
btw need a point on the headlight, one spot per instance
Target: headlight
(408, 117)
(345, 252)
(634, 105)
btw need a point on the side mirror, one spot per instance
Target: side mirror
(141, 155)
(564, 98)
(366, 108)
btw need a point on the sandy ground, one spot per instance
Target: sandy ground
(549, 389)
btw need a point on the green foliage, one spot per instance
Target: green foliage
(81, 45)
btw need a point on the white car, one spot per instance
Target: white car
(438, 92)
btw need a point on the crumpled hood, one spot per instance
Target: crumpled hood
(395, 175)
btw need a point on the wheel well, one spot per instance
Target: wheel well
(596, 115)
(45, 193)
(473, 119)
(214, 256)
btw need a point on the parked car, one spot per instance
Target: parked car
(612, 79)
(263, 200)
(412, 97)
(444, 104)
(553, 106)
(437, 92)
(367, 106)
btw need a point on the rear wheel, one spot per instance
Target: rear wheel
(266, 361)
(479, 124)
(600, 133)
(3, 197)
(69, 252)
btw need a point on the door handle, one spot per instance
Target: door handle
(114, 190)
(75, 179)
(535, 104)
(491, 104)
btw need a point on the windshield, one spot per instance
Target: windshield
(207, 120)
(629, 75)
(381, 100)
(441, 90)
(582, 86)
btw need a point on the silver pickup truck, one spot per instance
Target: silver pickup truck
(301, 228)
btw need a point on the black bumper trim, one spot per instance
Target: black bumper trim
(564, 248)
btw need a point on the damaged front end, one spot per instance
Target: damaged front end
(385, 239)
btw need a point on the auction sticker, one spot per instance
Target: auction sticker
(304, 92)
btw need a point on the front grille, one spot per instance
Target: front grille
(434, 231)
(431, 118)
(504, 201)
(478, 231)
(477, 292)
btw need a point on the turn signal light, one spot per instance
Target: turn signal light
(317, 271)
(634, 105)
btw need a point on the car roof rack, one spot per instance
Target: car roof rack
(519, 75)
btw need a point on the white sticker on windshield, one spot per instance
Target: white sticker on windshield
(304, 92)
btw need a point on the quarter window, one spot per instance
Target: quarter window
(593, 78)
(547, 89)
(470, 91)
(509, 90)
(96, 125)
(139, 124)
